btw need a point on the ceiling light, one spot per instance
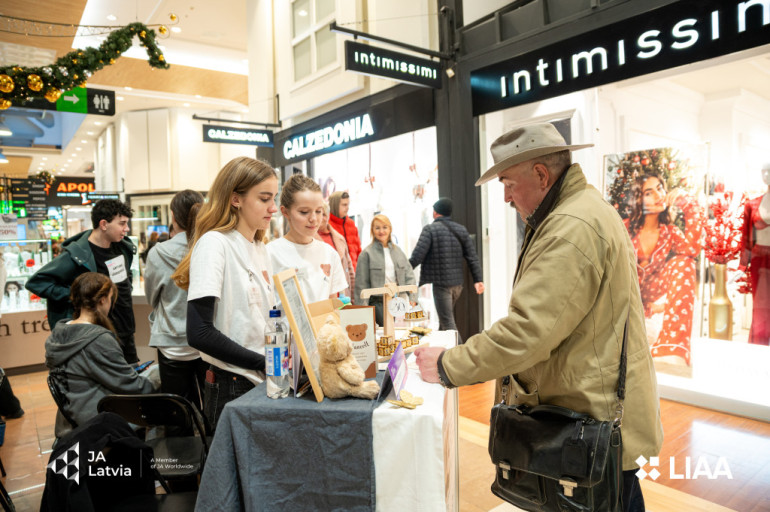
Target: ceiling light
(302, 12)
(74, 154)
(98, 123)
(128, 88)
(112, 17)
(84, 141)
(45, 158)
(89, 133)
(197, 95)
(176, 29)
(119, 98)
(186, 104)
(79, 149)
(70, 160)
(4, 130)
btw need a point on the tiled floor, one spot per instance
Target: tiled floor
(28, 441)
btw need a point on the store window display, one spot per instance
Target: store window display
(649, 192)
(755, 260)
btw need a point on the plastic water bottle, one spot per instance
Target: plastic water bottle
(277, 356)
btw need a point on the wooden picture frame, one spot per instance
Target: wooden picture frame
(301, 324)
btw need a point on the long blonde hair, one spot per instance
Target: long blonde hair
(238, 176)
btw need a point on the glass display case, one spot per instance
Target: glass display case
(21, 259)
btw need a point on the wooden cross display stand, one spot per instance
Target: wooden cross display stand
(388, 291)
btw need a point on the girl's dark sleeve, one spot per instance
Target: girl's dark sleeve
(202, 335)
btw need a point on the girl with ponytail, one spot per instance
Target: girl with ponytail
(182, 371)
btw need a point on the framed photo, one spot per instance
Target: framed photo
(301, 326)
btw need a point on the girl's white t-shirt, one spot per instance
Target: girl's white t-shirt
(237, 272)
(390, 269)
(318, 266)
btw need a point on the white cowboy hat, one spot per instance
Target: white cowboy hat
(525, 143)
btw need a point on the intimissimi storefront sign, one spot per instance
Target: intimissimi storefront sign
(392, 112)
(370, 60)
(667, 37)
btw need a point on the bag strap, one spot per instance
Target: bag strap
(621, 393)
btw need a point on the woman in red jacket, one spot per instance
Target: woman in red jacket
(339, 204)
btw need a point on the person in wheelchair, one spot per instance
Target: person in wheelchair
(85, 359)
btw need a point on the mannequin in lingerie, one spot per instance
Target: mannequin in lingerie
(755, 257)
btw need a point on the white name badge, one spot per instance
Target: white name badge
(117, 269)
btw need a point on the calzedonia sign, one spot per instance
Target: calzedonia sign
(667, 37)
(232, 135)
(344, 133)
(370, 60)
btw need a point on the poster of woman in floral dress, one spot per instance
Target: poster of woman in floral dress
(650, 191)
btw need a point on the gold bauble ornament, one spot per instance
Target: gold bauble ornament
(172, 17)
(17, 69)
(35, 83)
(112, 61)
(142, 34)
(52, 95)
(6, 83)
(4, 104)
(161, 58)
(83, 84)
(74, 61)
(163, 30)
(75, 77)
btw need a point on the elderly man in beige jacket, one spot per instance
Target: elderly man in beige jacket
(575, 286)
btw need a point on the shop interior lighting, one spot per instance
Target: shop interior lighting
(4, 130)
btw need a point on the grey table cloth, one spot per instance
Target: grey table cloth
(290, 454)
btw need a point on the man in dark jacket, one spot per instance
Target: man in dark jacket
(440, 250)
(104, 249)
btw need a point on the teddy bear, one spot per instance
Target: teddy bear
(341, 375)
(356, 332)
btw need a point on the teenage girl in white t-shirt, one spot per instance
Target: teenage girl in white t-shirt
(318, 266)
(228, 277)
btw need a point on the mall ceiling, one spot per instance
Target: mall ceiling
(207, 35)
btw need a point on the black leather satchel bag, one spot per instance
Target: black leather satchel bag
(550, 458)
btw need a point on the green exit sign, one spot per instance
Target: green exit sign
(75, 100)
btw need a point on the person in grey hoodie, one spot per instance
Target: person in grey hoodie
(83, 354)
(182, 371)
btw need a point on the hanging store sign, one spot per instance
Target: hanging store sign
(70, 191)
(667, 37)
(370, 60)
(330, 138)
(401, 109)
(232, 135)
(98, 196)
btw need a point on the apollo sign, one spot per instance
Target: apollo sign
(674, 35)
(329, 138)
(232, 135)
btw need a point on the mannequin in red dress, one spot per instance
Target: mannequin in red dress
(755, 257)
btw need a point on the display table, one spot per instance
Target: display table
(346, 454)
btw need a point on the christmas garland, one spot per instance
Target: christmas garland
(19, 84)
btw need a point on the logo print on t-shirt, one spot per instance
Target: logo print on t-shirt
(327, 268)
(267, 277)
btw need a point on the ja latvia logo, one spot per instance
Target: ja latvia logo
(67, 464)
